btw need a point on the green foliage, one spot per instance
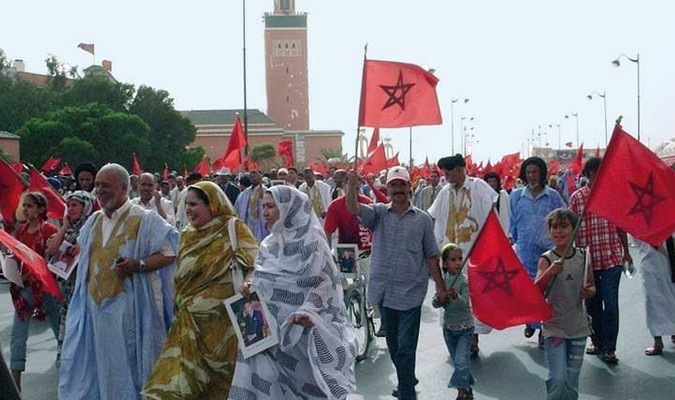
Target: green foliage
(57, 73)
(328, 154)
(170, 132)
(117, 96)
(20, 101)
(264, 155)
(190, 158)
(96, 134)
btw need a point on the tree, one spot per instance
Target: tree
(95, 89)
(57, 73)
(263, 154)
(170, 132)
(191, 157)
(93, 131)
(335, 156)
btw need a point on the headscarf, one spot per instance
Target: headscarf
(221, 212)
(87, 200)
(296, 275)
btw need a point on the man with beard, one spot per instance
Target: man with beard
(249, 206)
(151, 199)
(318, 193)
(122, 304)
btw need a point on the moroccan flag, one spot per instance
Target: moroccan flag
(136, 166)
(553, 167)
(232, 157)
(374, 140)
(397, 95)
(88, 47)
(576, 163)
(165, 173)
(285, 149)
(51, 164)
(17, 166)
(392, 162)
(502, 294)
(376, 161)
(645, 186)
(568, 144)
(65, 171)
(203, 167)
(107, 65)
(10, 190)
(56, 207)
(33, 262)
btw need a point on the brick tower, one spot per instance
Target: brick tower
(286, 66)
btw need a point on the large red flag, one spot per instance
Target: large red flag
(577, 162)
(232, 156)
(165, 173)
(374, 140)
(33, 262)
(10, 190)
(553, 167)
(88, 47)
(396, 95)
(56, 207)
(646, 188)
(136, 166)
(285, 149)
(502, 294)
(203, 167)
(376, 161)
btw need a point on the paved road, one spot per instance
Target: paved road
(509, 367)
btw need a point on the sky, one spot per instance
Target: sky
(522, 64)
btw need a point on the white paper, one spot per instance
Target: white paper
(10, 269)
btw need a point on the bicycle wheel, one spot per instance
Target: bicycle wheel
(356, 308)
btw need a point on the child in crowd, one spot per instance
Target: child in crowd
(457, 320)
(567, 280)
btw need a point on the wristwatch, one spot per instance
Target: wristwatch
(141, 265)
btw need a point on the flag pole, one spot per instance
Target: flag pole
(358, 128)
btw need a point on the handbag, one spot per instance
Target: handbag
(237, 270)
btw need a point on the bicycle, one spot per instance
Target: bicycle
(358, 311)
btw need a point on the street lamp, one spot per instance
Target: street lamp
(636, 60)
(559, 134)
(575, 115)
(603, 95)
(469, 140)
(452, 121)
(463, 126)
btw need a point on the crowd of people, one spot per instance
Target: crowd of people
(144, 313)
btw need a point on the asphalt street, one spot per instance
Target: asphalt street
(509, 366)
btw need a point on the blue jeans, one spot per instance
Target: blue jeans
(564, 357)
(19, 335)
(604, 308)
(403, 329)
(459, 346)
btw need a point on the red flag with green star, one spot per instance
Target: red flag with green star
(645, 187)
(502, 294)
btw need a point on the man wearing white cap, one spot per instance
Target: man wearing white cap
(223, 180)
(404, 254)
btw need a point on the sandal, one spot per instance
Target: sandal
(610, 358)
(592, 350)
(654, 351)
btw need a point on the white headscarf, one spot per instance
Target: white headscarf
(296, 275)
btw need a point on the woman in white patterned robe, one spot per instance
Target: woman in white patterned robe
(296, 276)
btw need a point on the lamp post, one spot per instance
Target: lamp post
(616, 63)
(469, 140)
(463, 126)
(452, 121)
(602, 95)
(559, 134)
(576, 116)
(243, 29)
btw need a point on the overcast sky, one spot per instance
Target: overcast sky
(522, 64)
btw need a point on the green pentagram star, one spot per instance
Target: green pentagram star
(392, 92)
(646, 199)
(499, 278)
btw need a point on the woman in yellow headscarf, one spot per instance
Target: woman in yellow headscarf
(199, 355)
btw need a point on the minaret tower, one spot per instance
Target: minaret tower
(286, 66)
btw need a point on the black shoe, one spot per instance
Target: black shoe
(381, 332)
(395, 391)
(529, 332)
